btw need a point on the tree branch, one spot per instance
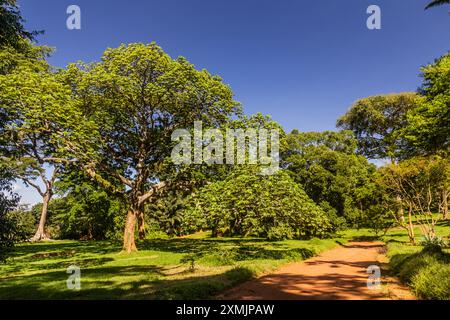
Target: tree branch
(150, 193)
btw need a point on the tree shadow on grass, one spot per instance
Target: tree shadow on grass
(253, 253)
(52, 285)
(101, 283)
(50, 249)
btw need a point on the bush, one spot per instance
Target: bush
(427, 273)
(248, 204)
(433, 282)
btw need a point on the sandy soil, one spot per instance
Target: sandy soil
(337, 274)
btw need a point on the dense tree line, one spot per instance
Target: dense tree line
(94, 140)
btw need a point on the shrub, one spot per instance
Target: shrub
(433, 282)
(433, 244)
(426, 272)
(247, 204)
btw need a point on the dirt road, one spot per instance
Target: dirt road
(337, 274)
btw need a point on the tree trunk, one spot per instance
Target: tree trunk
(40, 233)
(141, 223)
(445, 204)
(400, 211)
(129, 244)
(412, 238)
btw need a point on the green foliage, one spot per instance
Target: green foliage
(377, 123)
(331, 174)
(137, 96)
(29, 57)
(26, 220)
(246, 204)
(89, 213)
(433, 244)
(8, 226)
(12, 31)
(168, 213)
(428, 126)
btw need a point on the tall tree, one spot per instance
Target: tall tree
(137, 96)
(377, 123)
(38, 116)
(326, 165)
(428, 127)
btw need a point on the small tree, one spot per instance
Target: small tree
(38, 116)
(420, 182)
(377, 123)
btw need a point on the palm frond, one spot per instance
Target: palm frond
(436, 3)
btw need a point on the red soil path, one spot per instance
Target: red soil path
(337, 274)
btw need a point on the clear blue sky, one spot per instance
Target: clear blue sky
(303, 62)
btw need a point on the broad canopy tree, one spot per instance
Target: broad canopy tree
(136, 97)
(377, 123)
(38, 122)
(326, 165)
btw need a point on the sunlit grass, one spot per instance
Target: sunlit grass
(184, 268)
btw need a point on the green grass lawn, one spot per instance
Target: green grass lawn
(196, 267)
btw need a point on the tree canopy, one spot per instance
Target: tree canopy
(377, 122)
(136, 97)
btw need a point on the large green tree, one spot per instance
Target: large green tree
(377, 123)
(38, 122)
(436, 3)
(326, 165)
(248, 204)
(137, 96)
(428, 125)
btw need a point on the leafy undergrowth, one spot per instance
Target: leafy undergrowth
(184, 268)
(426, 272)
